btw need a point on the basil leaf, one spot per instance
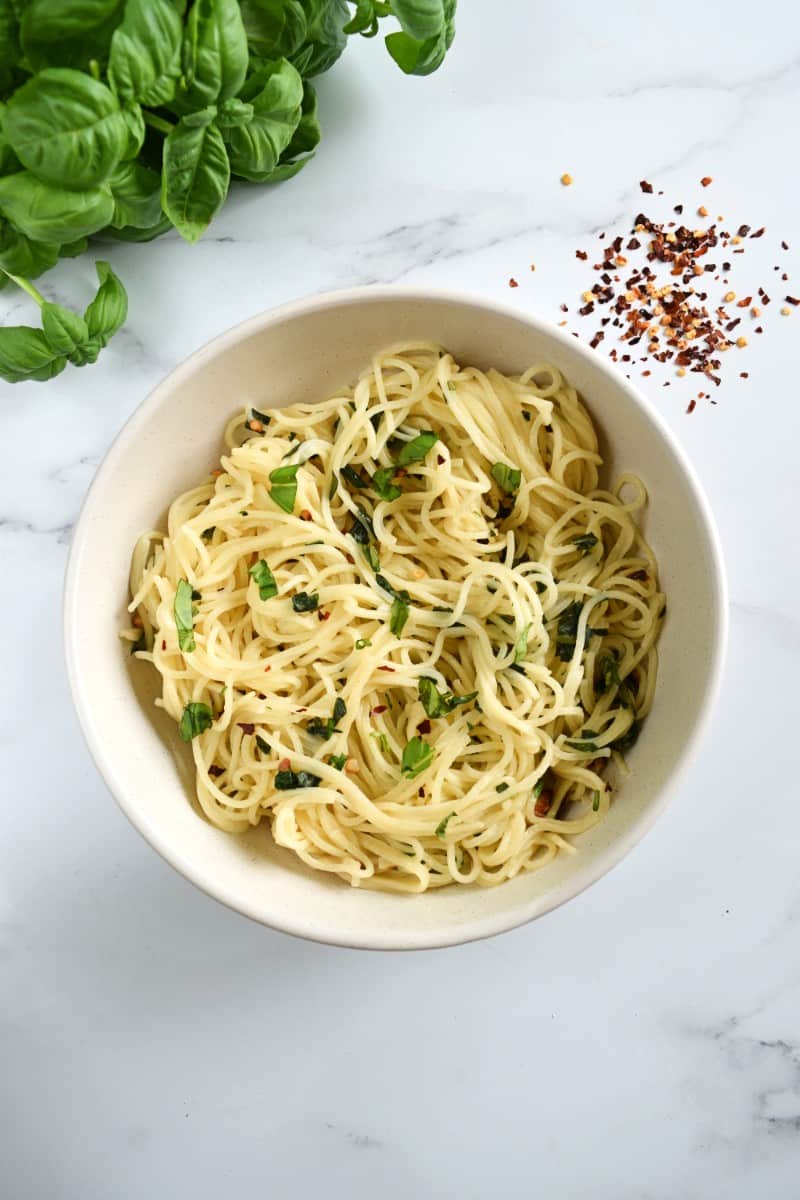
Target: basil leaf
(629, 738)
(586, 542)
(441, 828)
(507, 478)
(47, 213)
(196, 719)
(67, 128)
(214, 55)
(275, 28)
(586, 747)
(284, 486)
(67, 33)
(145, 58)
(64, 330)
(382, 483)
(263, 746)
(108, 310)
(233, 113)
(537, 791)
(276, 95)
(264, 580)
(420, 19)
(337, 760)
(371, 555)
(184, 616)
(521, 645)
(195, 176)
(609, 674)
(325, 38)
(417, 448)
(137, 196)
(439, 704)
(361, 643)
(304, 141)
(305, 602)
(415, 56)
(363, 529)
(287, 780)
(339, 709)
(567, 631)
(20, 255)
(355, 478)
(26, 354)
(399, 614)
(417, 755)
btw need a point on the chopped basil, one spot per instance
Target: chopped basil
(382, 483)
(334, 487)
(521, 645)
(399, 613)
(355, 478)
(501, 787)
(441, 828)
(586, 542)
(285, 780)
(184, 616)
(507, 478)
(417, 448)
(439, 704)
(363, 530)
(255, 415)
(371, 555)
(417, 755)
(629, 738)
(325, 729)
(195, 720)
(567, 631)
(337, 760)
(362, 642)
(284, 486)
(609, 674)
(264, 579)
(583, 746)
(595, 801)
(263, 746)
(537, 791)
(303, 602)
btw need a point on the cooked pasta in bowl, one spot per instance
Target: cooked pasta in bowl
(399, 631)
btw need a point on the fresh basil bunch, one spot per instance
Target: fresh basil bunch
(125, 118)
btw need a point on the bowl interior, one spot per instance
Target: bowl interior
(298, 354)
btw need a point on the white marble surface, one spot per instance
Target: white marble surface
(642, 1043)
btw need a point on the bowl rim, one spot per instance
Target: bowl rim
(443, 935)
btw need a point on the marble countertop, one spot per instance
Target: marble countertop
(641, 1043)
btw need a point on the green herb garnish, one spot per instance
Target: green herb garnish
(383, 742)
(416, 449)
(537, 791)
(284, 486)
(255, 415)
(507, 478)
(521, 645)
(609, 674)
(502, 787)
(382, 483)
(441, 828)
(337, 760)
(629, 738)
(362, 642)
(286, 780)
(417, 755)
(263, 746)
(586, 542)
(584, 746)
(195, 720)
(264, 580)
(184, 616)
(439, 704)
(567, 631)
(325, 729)
(355, 478)
(303, 602)
(371, 555)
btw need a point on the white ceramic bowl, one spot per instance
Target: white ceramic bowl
(300, 352)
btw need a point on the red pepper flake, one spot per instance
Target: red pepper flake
(563, 308)
(377, 710)
(744, 374)
(791, 300)
(645, 186)
(705, 181)
(513, 283)
(284, 765)
(305, 514)
(745, 303)
(743, 231)
(323, 616)
(390, 669)
(759, 232)
(581, 254)
(247, 727)
(215, 771)
(424, 726)
(543, 805)
(440, 459)
(784, 245)
(691, 406)
(163, 644)
(267, 669)
(349, 558)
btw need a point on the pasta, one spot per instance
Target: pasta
(407, 625)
